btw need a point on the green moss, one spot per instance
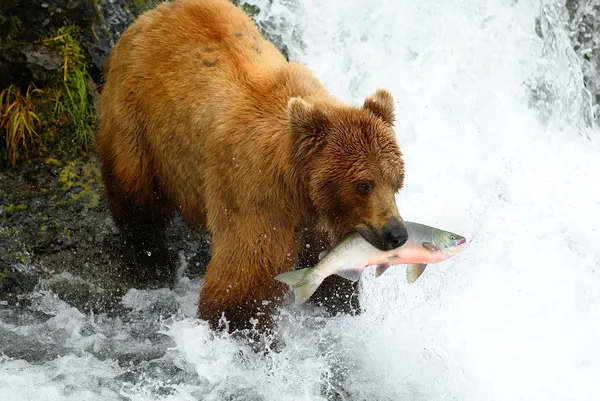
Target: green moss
(145, 5)
(20, 256)
(10, 28)
(68, 174)
(8, 232)
(51, 161)
(13, 208)
(82, 180)
(96, 7)
(250, 9)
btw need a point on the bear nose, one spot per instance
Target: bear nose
(396, 234)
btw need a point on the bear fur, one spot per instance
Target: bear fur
(202, 116)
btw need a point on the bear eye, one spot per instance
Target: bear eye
(364, 188)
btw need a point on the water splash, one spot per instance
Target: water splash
(585, 34)
(560, 94)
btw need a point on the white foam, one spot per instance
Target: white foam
(68, 378)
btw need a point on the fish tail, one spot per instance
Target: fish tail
(299, 280)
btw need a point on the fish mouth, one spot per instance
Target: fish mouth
(455, 249)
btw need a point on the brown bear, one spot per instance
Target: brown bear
(202, 116)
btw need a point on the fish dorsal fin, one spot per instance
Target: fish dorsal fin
(322, 254)
(430, 246)
(414, 271)
(352, 274)
(381, 269)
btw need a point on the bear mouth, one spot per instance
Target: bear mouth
(373, 237)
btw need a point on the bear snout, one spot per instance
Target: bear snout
(392, 235)
(395, 233)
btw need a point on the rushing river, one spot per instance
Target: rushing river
(497, 135)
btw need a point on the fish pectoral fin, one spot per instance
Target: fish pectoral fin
(430, 246)
(322, 254)
(352, 274)
(414, 271)
(381, 269)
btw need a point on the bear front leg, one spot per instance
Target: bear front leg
(239, 282)
(141, 219)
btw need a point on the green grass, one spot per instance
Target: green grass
(58, 118)
(18, 120)
(73, 110)
(76, 105)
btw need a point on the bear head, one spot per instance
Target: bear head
(353, 166)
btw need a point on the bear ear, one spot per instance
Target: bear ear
(308, 123)
(381, 103)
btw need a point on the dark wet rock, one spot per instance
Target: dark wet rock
(85, 296)
(21, 64)
(585, 36)
(17, 278)
(41, 56)
(156, 370)
(101, 21)
(19, 346)
(113, 18)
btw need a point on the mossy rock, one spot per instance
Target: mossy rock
(54, 222)
(62, 102)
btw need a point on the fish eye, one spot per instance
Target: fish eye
(453, 237)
